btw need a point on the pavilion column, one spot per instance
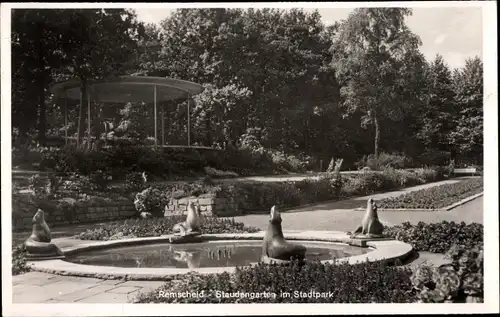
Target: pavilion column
(189, 120)
(155, 117)
(163, 124)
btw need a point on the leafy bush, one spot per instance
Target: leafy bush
(123, 158)
(394, 160)
(453, 282)
(155, 227)
(435, 197)
(340, 283)
(135, 180)
(370, 182)
(100, 179)
(215, 173)
(154, 199)
(437, 237)
(19, 263)
(433, 158)
(25, 156)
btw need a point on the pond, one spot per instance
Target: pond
(205, 254)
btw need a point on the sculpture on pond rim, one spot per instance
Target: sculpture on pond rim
(275, 247)
(371, 227)
(192, 224)
(38, 244)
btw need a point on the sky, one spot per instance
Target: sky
(454, 32)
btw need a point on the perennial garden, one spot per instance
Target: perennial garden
(460, 281)
(283, 106)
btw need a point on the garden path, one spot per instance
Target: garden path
(37, 287)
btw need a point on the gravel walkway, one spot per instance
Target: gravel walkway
(334, 216)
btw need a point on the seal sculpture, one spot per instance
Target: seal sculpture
(38, 244)
(275, 247)
(371, 226)
(189, 228)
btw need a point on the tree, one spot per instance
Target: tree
(34, 57)
(436, 117)
(467, 135)
(56, 44)
(374, 56)
(98, 44)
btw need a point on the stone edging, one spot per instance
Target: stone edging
(384, 250)
(447, 208)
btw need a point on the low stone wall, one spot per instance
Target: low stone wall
(69, 211)
(210, 205)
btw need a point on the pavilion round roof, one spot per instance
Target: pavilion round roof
(129, 89)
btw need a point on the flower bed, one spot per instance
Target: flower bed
(154, 227)
(341, 283)
(435, 197)
(437, 237)
(19, 262)
(462, 280)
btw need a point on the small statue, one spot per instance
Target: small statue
(192, 224)
(371, 227)
(38, 244)
(275, 247)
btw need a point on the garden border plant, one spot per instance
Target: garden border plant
(155, 227)
(438, 198)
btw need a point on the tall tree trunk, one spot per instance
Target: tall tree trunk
(377, 134)
(81, 112)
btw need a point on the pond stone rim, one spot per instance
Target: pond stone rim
(386, 250)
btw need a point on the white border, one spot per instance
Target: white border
(490, 195)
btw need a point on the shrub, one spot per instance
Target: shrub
(371, 182)
(394, 160)
(154, 199)
(456, 282)
(433, 158)
(435, 197)
(215, 173)
(339, 283)
(437, 237)
(19, 263)
(428, 175)
(400, 178)
(100, 180)
(135, 181)
(155, 227)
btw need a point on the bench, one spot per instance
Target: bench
(468, 170)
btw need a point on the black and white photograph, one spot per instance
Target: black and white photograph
(249, 153)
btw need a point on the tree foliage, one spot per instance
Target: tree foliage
(467, 135)
(274, 79)
(376, 58)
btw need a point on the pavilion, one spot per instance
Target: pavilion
(123, 89)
